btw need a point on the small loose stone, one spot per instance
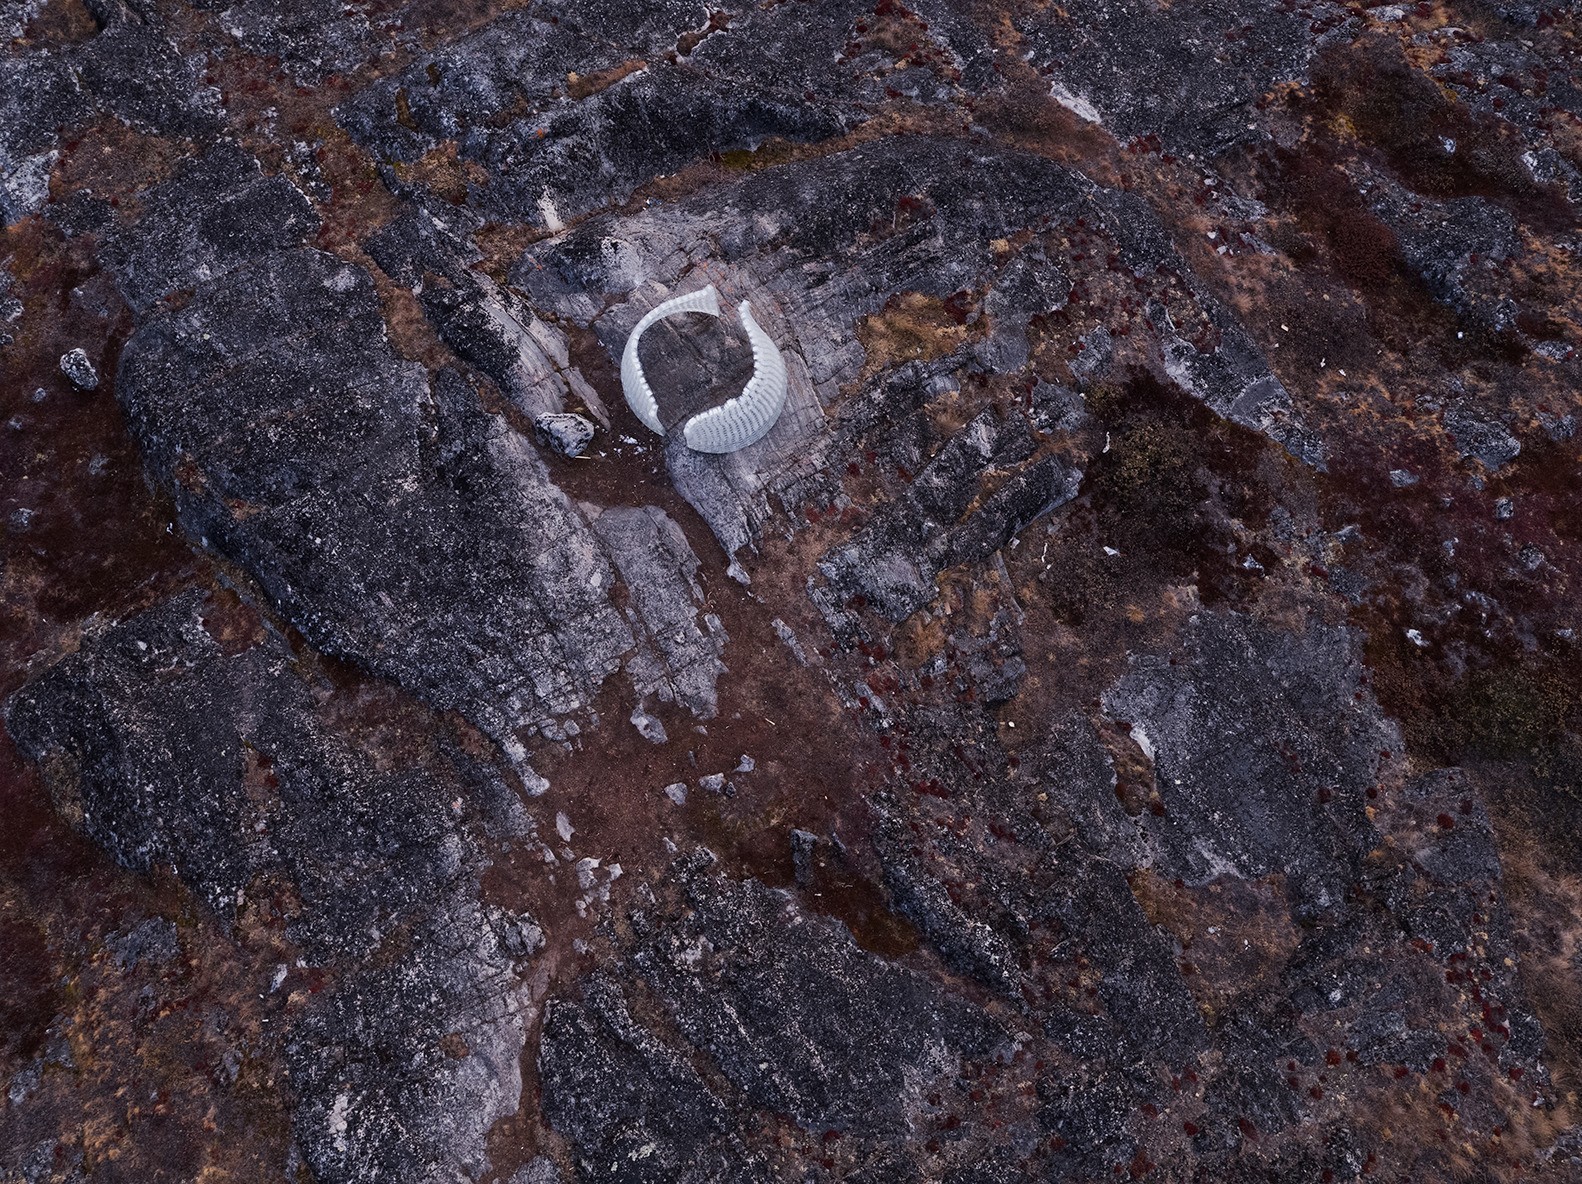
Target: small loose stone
(563, 432)
(76, 366)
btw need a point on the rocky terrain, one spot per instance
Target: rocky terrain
(1123, 722)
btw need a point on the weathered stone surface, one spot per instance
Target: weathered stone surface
(136, 74)
(893, 563)
(655, 88)
(563, 433)
(1241, 762)
(634, 1107)
(219, 769)
(74, 364)
(10, 307)
(217, 212)
(311, 38)
(799, 1019)
(484, 323)
(402, 1071)
(278, 385)
(1490, 443)
(541, 1171)
(1151, 622)
(816, 264)
(38, 95)
(1457, 247)
(1191, 76)
(677, 657)
(795, 1018)
(1263, 747)
(153, 941)
(129, 70)
(235, 384)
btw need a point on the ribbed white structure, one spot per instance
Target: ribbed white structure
(639, 395)
(738, 422)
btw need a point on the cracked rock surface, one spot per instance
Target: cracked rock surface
(218, 769)
(1122, 722)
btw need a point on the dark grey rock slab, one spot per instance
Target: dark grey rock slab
(394, 522)
(217, 212)
(1190, 75)
(169, 750)
(1263, 753)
